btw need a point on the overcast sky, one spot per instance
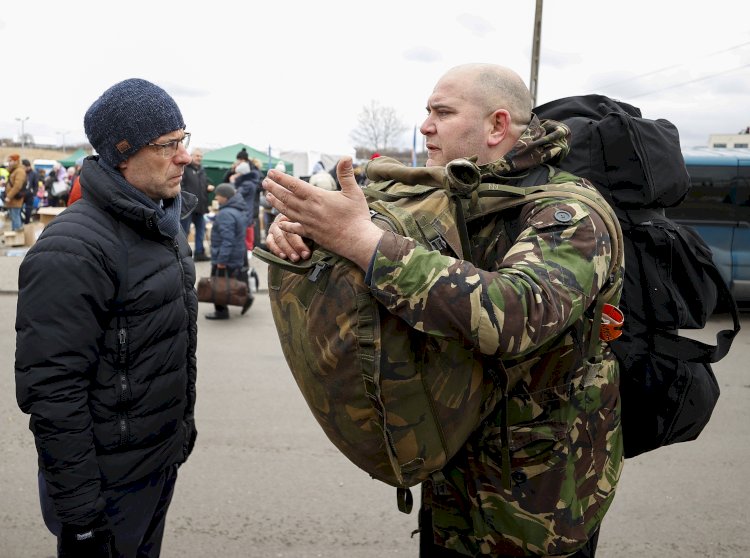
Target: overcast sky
(295, 75)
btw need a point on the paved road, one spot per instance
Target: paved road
(264, 481)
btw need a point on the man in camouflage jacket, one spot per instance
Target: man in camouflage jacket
(538, 476)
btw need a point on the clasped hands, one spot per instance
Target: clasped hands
(338, 221)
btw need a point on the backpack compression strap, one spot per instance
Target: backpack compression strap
(498, 197)
(491, 197)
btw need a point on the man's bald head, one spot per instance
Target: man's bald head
(496, 87)
(475, 110)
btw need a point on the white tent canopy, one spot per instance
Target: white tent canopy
(304, 161)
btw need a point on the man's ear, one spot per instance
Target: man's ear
(500, 126)
(122, 166)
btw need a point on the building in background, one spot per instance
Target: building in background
(740, 140)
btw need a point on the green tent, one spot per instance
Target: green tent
(217, 162)
(71, 159)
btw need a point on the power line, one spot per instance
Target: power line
(638, 76)
(673, 66)
(735, 47)
(688, 82)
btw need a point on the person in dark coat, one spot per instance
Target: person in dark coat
(242, 157)
(247, 183)
(228, 251)
(106, 333)
(195, 181)
(32, 183)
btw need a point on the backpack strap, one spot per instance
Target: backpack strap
(421, 226)
(300, 267)
(695, 351)
(502, 196)
(377, 191)
(534, 186)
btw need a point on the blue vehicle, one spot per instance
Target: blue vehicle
(718, 206)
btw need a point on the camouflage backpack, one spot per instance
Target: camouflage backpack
(398, 403)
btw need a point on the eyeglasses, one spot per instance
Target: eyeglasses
(169, 149)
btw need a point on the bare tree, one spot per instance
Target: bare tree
(378, 127)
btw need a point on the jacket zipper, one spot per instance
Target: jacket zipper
(122, 341)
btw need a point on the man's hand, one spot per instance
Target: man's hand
(286, 245)
(91, 541)
(338, 221)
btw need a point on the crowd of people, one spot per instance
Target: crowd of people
(24, 189)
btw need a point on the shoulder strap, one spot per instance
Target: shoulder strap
(695, 351)
(534, 186)
(498, 197)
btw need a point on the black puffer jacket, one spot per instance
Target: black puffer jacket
(111, 397)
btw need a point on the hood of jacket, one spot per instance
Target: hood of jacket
(546, 141)
(99, 188)
(236, 202)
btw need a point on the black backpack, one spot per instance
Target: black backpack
(667, 385)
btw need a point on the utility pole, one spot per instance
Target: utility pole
(63, 134)
(535, 46)
(23, 132)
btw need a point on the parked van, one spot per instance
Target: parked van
(718, 206)
(45, 164)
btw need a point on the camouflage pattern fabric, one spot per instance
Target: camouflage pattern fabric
(540, 473)
(398, 403)
(467, 366)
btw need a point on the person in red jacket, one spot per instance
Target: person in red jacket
(75, 189)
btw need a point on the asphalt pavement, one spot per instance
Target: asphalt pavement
(265, 482)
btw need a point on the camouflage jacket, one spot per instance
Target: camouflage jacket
(538, 476)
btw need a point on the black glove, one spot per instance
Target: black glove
(89, 541)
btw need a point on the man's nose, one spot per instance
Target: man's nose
(427, 127)
(182, 157)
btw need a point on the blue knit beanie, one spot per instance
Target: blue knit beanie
(127, 116)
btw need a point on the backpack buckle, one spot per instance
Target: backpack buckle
(317, 270)
(438, 243)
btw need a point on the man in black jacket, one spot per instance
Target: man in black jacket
(32, 183)
(106, 333)
(195, 181)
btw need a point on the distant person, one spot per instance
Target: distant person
(195, 181)
(269, 211)
(32, 183)
(359, 176)
(242, 157)
(107, 334)
(247, 184)
(41, 191)
(228, 251)
(15, 189)
(318, 167)
(57, 186)
(75, 186)
(256, 170)
(321, 178)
